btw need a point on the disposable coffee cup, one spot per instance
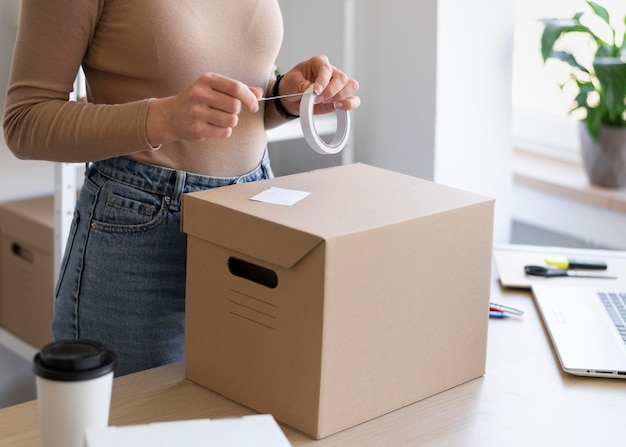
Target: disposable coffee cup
(74, 382)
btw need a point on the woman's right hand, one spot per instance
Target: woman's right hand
(208, 108)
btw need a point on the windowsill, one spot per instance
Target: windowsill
(564, 178)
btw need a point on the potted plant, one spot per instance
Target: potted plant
(600, 80)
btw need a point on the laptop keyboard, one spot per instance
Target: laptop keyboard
(615, 304)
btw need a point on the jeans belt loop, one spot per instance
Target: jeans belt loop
(179, 189)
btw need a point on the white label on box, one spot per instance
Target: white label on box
(280, 196)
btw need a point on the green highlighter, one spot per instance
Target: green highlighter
(566, 263)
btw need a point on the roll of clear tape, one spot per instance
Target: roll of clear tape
(311, 136)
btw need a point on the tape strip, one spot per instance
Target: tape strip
(311, 136)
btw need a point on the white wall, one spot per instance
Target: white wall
(396, 66)
(436, 89)
(474, 82)
(18, 178)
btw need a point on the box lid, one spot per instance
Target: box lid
(343, 200)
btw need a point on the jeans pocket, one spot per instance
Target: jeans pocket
(124, 211)
(122, 208)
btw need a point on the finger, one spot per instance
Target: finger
(322, 71)
(219, 118)
(350, 103)
(203, 122)
(257, 92)
(211, 113)
(349, 89)
(339, 83)
(233, 93)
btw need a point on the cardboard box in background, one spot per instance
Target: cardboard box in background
(26, 268)
(366, 296)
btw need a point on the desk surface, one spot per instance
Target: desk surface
(523, 399)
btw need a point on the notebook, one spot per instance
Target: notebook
(586, 336)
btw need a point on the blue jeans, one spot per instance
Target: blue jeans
(122, 279)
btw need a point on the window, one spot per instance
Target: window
(540, 109)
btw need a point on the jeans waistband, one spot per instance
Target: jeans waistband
(161, 180)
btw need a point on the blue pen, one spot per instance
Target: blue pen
(494, 314)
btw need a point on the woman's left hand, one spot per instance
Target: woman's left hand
(333, 87)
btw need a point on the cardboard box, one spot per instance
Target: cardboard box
(368, 295)
(26, 268)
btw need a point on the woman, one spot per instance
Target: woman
(172, 107)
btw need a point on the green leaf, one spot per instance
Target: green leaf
(553, 30)
(623, 47)
(594, 122)
(581, 99)
(600, 11)
(604, 81)
(569, 59)
(611, 74)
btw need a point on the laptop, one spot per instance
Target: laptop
(584, 326)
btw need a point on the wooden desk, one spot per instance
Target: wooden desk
(523, 400)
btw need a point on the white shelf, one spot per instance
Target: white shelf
(325, 125)
(17, 345)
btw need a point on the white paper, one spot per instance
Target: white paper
(280, 196)
(247, 431)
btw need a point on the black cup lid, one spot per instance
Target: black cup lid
(73, 360)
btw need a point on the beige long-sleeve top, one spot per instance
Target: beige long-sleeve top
(132, 51)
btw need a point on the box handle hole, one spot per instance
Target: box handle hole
(253, 272)
(22, 252)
